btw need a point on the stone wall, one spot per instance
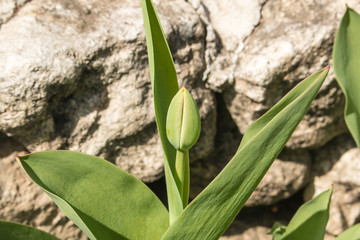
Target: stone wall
(74, 75)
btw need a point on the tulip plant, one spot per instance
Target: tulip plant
(107, 203)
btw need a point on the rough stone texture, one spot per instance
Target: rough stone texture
(289, 173)
(224, 15)
(343, 174)
(74, 74)
(24, 202)
(8, 8)
(281, 50)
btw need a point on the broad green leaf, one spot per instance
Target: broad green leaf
(103, 200)
(346, 56)
(352, 233)
(213, 210)
(310, 220)
(15, 231)
(165, 86)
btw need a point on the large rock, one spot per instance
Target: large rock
(74, 75)
(283, 48)
(289, 173)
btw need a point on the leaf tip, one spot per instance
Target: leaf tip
(17, 158)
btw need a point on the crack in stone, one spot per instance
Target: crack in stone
(18, 5)
(256, 27)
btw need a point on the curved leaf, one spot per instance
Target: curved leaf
(352, 233)
(346, 57)
(104, 201)
(165, 86)
(277, 231)
(15, 231)
(213, 210)
(310, 220)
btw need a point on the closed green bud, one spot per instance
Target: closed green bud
(183, 121)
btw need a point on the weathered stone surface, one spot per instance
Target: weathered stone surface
(79, 80)
(280, 51)
(7, 9)
(343, 174)
(223, 40)
(287, 175)
(225, 15)
(24, 202)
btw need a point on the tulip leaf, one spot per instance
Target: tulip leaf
(346, 56)
(213, 210)
(352, 233)
(15, 231)
(277, 231)
(310, 220)
(103, 200)
(165, 86)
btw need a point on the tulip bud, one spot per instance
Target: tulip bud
(183, 121)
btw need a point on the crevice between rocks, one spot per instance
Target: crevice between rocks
(9, 145)
(257, 26)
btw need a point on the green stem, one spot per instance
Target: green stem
(183, 174)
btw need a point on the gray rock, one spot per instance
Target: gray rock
(341, 172)
(225, 15)
(280, 51)
(7, 8)
(74, 75)
(288, 174)
(223, 40)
